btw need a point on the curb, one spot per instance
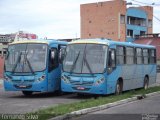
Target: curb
(101, 107)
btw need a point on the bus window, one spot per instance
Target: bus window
(120, 56)
(62, 50)
(152, 56)
(145, 56)
(129, 55)
(138, 55)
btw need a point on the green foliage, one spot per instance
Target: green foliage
(62, 109)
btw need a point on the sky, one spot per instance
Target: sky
(58, 19)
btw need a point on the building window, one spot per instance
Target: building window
(136, 21)
(122, 19)
(149, 23)
(130, 33)
(142, 33)
(4, 52)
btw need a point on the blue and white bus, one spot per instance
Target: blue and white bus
(103, 66)
(33, 66)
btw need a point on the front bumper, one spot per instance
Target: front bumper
(35, 86)
(98, 89)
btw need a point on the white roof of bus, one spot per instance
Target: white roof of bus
(108, 42)
(50, 41)
(93, 41)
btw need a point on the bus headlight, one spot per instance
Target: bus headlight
(42, 78)
(7, 78)
(100, 81)
(65, 78)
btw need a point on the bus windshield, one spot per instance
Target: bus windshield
(26, 58)
(85, 58)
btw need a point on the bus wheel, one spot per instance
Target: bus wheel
(27, 93)
(118, 88)
(146, 81)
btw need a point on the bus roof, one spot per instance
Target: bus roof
(109, 42)
(48, 41)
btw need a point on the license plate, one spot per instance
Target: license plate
(80, 88)
(22, 86)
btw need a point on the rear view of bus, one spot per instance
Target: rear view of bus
(99, 66)
(32, 66)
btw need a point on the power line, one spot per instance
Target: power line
(152, 4)
(146, 4)
(156, 18)
(140, 2)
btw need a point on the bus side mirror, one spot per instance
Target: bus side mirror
(53, 62)
(62, 54)
(111, 60)
(53, 54)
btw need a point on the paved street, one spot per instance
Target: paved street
(15, 102)
(130, 111)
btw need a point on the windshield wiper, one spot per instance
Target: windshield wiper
(29, 64)
(74, 64)
(89, 68)
(18, 60)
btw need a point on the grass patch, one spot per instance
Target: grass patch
(62, 109)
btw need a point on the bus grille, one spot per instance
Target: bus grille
(25, 81)
(87, 83)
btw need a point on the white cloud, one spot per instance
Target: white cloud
(46, 18)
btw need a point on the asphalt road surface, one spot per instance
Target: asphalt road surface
(16, 102)
(137, 110)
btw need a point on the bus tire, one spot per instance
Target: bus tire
(27, 93)
(119, 87)
(146, 81)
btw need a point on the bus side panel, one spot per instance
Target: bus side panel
(54, 78)
(152, 74)
(54, 75)
(128, 72)
(112, 80)
(138, 76)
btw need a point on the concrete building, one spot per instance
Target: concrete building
(20, 35)
(112, 19)
(8, 38)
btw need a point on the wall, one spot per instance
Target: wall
(102, 20)
(137, 13)
(1, 66)
(149, 11)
